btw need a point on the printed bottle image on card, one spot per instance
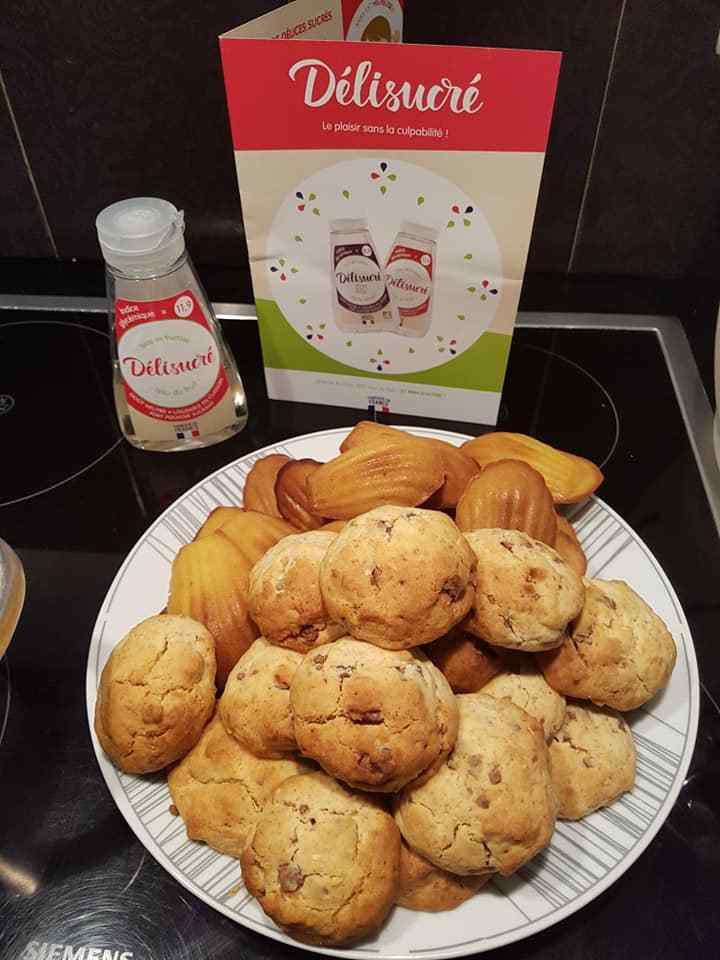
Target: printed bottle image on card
(388, 196)
(360, 296)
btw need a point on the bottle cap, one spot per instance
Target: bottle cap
(141, 232)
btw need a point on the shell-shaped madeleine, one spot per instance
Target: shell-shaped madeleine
(466, 662)
(511, 495)
(259, 492)
(254, 533)
(209, 582)
(367, 431)
(216, 519)
(292, 494)
(569, 548)
(570, 478)
(458, 467)
(459, 471)
(334, 526)
(387, 471)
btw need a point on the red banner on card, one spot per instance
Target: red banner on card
(322, 95)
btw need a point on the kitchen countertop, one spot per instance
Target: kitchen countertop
(71, 871)
(694, 301)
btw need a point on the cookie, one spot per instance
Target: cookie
(156, 693)
(220, 788)
(592, 760)
(285, 599)
(619, 653)
(526, 593)
(323, 861)
(466, 661)
(491, 806)
(374, 718)
(398, 577)
(255, 706)
(425, 887)
(526, 687)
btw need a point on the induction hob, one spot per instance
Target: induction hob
(74, 881)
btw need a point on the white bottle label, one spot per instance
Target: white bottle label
(359, 280)
(409, 272)
(169, 360)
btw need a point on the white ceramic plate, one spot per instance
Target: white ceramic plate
(583, 859)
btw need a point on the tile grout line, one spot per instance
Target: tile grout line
(591, 162)
(28, 168)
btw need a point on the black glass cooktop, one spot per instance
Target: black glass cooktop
(73, 500)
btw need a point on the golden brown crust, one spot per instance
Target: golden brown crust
(334, 526)
(366, 432)
(592, 760)
(569, 547)
(291, 490)
(426, 887)
(216, 519)
(209, 582)
(509, 494)
(284, 593)
(156, 693)
(569, 477)
(255, 706)
(526, 594)
(398, 576)
(458, 468)
(388, 470)
(252, 533)
(220, 789)
(323, 862)
(259, 492)
(491, 806)
(467, 662)
(525, 686)
(374, 718)
(618, 653)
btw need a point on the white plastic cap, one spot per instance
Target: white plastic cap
(141, 232)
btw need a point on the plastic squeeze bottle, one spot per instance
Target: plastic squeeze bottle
(175, 382)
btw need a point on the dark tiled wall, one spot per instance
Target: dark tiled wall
(125, 99)
(23, 231)
(114, 100)
(585, 32)
(652, 203)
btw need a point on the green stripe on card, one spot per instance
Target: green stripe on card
(481, 367)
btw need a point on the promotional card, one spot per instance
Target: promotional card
(388, 195)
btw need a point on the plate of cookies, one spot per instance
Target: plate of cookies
(394, 692)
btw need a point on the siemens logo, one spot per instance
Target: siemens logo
(42, 950)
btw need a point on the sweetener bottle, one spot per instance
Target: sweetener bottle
(409, 274)
(175, 382)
